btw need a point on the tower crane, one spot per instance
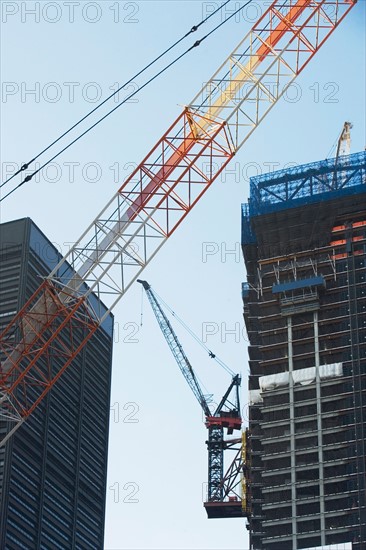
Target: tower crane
(224, 498)
(344, 141)
(343, 149)
(62, 315)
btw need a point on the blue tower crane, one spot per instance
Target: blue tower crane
(224, 498)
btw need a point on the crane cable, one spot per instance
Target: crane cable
(207, 395)
(192, 30)
(333, 148)
(198, 340)
(195, 45)
(210, 95)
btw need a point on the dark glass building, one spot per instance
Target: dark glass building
(53, 469)
(304, 245)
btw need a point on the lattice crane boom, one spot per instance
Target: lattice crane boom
(110, 255)
(176, 348)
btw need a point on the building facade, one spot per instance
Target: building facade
(53, 469)
(304, 245)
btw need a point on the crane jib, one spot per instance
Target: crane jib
(130, 230)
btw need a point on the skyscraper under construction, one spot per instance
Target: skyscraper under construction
(304, 245)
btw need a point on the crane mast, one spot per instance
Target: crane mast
(145, 211)
(223, 499)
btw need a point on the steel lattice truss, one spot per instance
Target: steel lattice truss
(222, 485)
(266, 62)
(155, 199)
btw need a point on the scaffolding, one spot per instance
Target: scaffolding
(314, 182)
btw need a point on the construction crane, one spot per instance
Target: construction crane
(62, 315)
(343, 149)
(344, 141)
(223, 495)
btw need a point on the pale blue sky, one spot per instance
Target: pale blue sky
(164, 452)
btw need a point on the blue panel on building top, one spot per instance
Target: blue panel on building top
(319, 181)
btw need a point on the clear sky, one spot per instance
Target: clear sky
(57, 58)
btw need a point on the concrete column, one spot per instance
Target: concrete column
(319, 427)
(292, 432)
